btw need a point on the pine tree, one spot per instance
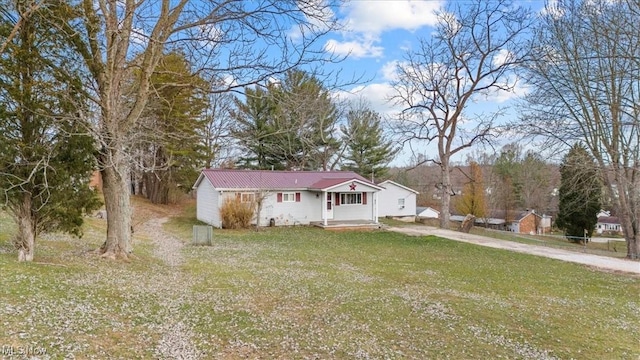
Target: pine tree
(507, 167)
(46, 157)
(290, 125)
(368, 150)
(168, 131)
(254, 130)
(304, 121)
(579, 195)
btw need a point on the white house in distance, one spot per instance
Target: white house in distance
(397, 201)
(291, 197)
(427, 213)
(608, 224)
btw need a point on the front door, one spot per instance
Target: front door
(329, 206)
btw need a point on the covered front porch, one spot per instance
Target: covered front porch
(347, 224)
(347, 203)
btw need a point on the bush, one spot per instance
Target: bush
(236, 214)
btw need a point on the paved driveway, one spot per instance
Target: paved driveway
(600, 262)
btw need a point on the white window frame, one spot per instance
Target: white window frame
(247, 197)
(288, 197)
(401, 202)
(356, 197)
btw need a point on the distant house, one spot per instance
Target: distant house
(494, 223)
(427, 213)
(529, 222)
(525, 222)
(608, 224)
(397, 201)
(491, 223)
(290, 197)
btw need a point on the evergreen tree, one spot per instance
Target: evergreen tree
(290, 125)
(169, 131)
(255, 130)
(579, 195)
(473, 199)
(368, 150)
(46, 158)
(508, 187)
(305, 120)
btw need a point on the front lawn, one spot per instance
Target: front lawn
(305, 293)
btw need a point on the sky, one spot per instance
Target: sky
(378, 34)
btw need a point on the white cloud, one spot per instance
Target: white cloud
(376, 94)
(502, 57)
(390, 70)
(553, 9)
(354, 49)
(519, 89)
(318, 15)
(382, 15)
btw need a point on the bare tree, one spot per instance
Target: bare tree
(216, 138)
(244, 42)
(585, 76)
(475, 48)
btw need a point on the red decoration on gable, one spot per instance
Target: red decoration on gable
(352, 187)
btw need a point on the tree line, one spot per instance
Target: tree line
(142, 91)
(149, 119)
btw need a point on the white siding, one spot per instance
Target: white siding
(389, 206)
(308, 209)
(287, 213)
(354, 211)
(291, 213)
(207, 204)
(345, 188)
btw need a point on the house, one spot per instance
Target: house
(427, 212)
(495, 223)
(529, 222)
(289, 197)
(608, 224)
(397, 201)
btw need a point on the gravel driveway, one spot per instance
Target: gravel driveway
(601, 262)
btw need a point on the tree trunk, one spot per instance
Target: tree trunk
(156, 187)
(118, 205)
(26, 239)
(626, 199)
(445, 193)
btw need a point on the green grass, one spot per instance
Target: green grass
(309, 293)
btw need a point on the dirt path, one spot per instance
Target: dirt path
(600, 262)
(177, 340)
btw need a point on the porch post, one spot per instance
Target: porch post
(323, 203)
(375, 207)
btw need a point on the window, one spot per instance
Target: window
(288, 197)
(247, 197)
(401, 203)
(350, 198)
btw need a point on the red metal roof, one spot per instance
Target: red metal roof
(266, 179)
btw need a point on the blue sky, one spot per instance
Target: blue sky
(378, 35)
